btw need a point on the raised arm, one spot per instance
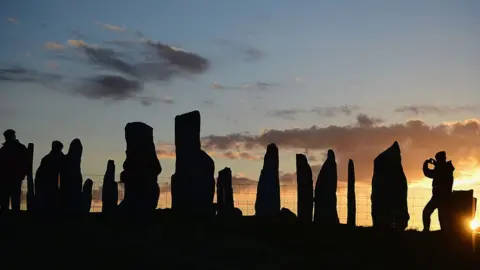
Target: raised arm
(427, 171)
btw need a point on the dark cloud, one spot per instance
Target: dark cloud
(21, 74)
(290, 114)
(438, 110)
(112, 87)
(257, 86)
(363, 143)
(364, 120)
(335, 111)
(109, 59)
(186, 61)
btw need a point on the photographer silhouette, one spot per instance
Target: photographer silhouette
(442, 184)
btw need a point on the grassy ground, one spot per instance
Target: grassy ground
(94, 243)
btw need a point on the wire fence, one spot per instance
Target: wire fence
(245, 194)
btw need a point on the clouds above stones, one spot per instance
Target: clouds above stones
(363, 141)
(437, 110)
(291, 114)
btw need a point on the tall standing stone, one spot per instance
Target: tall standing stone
(351, 201)
(267, 203)
(304, 189)
(140, 170)
(87, 196)
(30, 183)
(193, 186)
(326, 192)
(71, 179)
(109, 189)
(225, 204)
(389, 191)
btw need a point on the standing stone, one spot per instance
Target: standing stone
(140, 170)
(304, 189)
(389, 191)
(30, 184)
(87, 196)
(193, 186)
(267, 203)
(326, 192)
(71, 179)
(458, 212)
(352, 204)
(109, 189)
(225, 204)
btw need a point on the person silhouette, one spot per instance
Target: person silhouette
(442, 185)
(13, 169)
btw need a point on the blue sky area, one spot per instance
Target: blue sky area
(248, 66)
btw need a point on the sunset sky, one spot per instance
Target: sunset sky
(308, 75)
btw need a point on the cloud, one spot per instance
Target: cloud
(253, 54)
(363, 143)
(13, 20)
(147, 101)
(248, 52)
(112, 87)
(53, 46)
(438, 110)
(186, 61)
(257, 86)
(114, 28)
(367, 121)
(290, 114)
(76, 43)
(21, 74)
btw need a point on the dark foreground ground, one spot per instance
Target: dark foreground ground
(246, 243)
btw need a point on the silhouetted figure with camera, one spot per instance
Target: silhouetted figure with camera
(442, 184)
(13, 169)
(47, 178)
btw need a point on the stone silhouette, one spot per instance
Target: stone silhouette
(30, 182)
(47, 192)
(109, 189)
(326, 192)
(351, 201)
(458, 211)
(442, 185)
(304, 189)
(87, 196)
(140, 170)
(225, 204)
(267, 203)
(14, 160)
(389, 191)
(71, 180)
(193, 186)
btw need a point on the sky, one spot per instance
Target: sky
(307, 75)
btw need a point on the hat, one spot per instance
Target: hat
(9, 133)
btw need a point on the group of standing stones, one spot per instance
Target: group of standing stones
(58, 183)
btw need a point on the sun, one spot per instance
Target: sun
(474, 225)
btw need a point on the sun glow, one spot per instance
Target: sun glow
(474, 225)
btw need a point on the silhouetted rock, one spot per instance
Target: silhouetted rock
(287, 216)
(304, 189)
(71, 179)
(267, 203)
(225, 204)
(458, 212)
(47, 192)
(193, 184)
(140, 170)
(30, 183)
(109, 189)
(389, 191)
(326, 192)
(352, 204)
(87, 196)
